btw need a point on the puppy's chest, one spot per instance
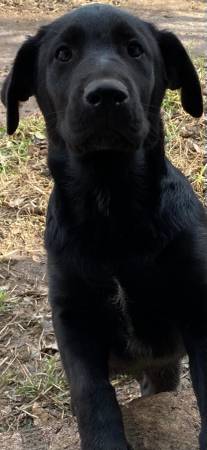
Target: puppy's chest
(113, 217)
(139, 336)
(125, 341)
(120, 235)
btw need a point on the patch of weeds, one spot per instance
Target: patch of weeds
(3, 300)
(174, 115)
(14, 149)
(171, 104)
(199, 178)
(7, 302)
(38, 384)
(200, 64)
(185, 136)
(8, 379)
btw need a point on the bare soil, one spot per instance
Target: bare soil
(161, 422)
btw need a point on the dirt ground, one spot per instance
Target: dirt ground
(33, 405)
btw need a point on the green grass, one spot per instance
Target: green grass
(171, 103)
(14, 149)
(7, 302)
(3, 300)
(38, 384)
(171, 111)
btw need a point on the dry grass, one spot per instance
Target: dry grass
(185, 137)
(32, 383)
(25, 187)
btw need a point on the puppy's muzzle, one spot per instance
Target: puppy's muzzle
(106, 94)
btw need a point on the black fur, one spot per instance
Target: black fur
(126, 236)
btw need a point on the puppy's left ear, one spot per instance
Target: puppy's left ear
(181, 73)
(20, 83)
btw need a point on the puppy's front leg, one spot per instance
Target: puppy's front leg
(85, 355)
(197, 352)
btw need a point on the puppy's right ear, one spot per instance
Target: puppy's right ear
(20, 83)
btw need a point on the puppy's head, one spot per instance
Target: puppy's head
(99, 76)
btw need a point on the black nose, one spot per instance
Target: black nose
(106, 92)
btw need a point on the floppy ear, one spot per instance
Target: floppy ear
(20, 83)
(181, 73)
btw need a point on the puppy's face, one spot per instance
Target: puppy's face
(99, 70)
(99, 76)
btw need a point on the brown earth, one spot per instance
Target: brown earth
(161, 422)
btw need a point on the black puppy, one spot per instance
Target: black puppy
(126, 236)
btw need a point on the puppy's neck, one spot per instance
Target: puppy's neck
(107, 182)
(103, 179)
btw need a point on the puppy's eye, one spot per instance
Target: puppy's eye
(64, 54)
(134, 49)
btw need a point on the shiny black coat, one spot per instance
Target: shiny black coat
(126, 236)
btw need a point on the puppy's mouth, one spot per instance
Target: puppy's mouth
(107, 141)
